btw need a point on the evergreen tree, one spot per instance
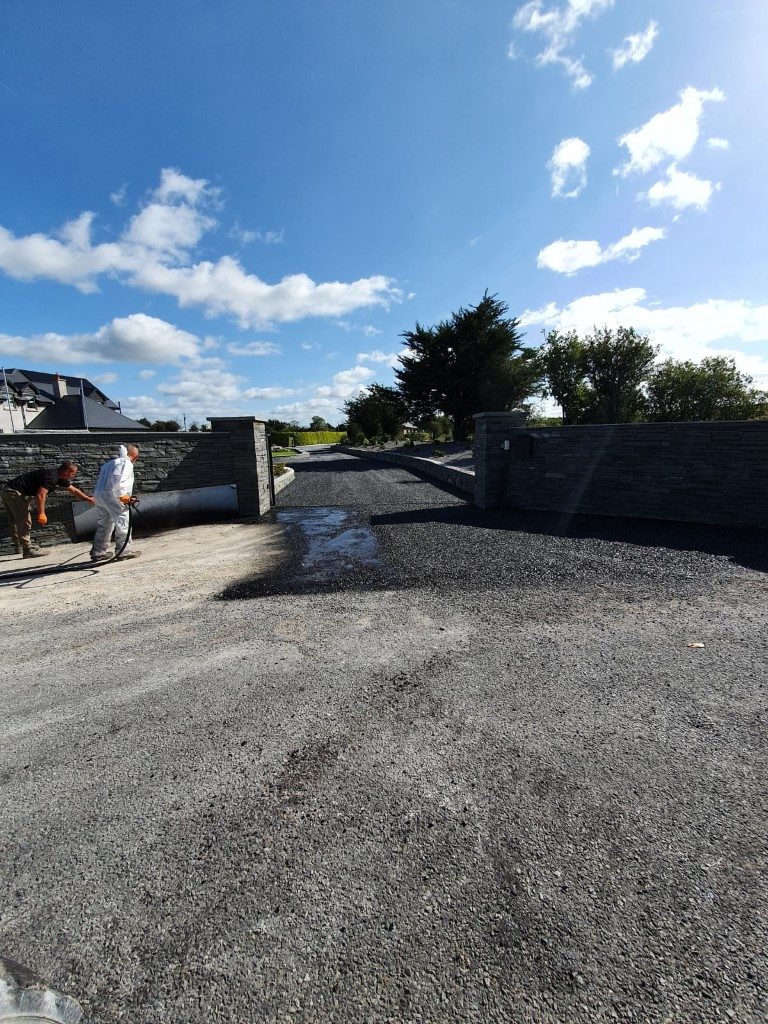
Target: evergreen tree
(473, 362)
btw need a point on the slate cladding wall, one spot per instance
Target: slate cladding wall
(233, 451)
(709, 472)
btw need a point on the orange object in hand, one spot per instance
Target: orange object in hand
(42, 519)
(125, 499)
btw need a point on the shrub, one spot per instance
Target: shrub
(279, 468)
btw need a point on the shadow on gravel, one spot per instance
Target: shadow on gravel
(460, 547)
(742, 546)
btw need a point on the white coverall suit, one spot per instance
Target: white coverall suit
(115, 479)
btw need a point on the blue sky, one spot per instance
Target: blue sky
(238, 207)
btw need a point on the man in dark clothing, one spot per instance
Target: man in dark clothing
(18, 493)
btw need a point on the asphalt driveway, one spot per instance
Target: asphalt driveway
(388, 758)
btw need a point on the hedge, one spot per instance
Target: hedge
(289, 438)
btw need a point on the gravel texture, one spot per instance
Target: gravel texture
(388, 758)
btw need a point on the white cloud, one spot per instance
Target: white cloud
(568, 166)
(119, 196)
(225, 288)
(245, 236)
(473, 241)
(715, 143)
(254, 348)
(559, 25)
(711, 327)
(635, 48)
(368, 330)
(671, 134)
(175, 185)
(271, 393)
(154, 253)
(347, 382)
(170, 231)
(105, 378)
(136, 339)
(377, 356)
(567, 257)
(680, 190)
(146, 374)
(73, 260)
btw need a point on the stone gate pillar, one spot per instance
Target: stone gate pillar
(492, 459)
(247, 449)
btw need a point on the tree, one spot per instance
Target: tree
(145, 421)
(712, 390)
(275, 425)
(617, 364)
(563, 358)
(165, 425)
(473, 361)
(377, 411)
(318, 423)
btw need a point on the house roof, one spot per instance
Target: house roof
(67, 414)
(26, 384)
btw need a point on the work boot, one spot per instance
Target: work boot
(33, 553)
(17, 547)
(130, 554)
(101, 558)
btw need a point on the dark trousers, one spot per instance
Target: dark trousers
(19, 517)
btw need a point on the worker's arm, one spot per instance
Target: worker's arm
(80, 494)
(42, 494)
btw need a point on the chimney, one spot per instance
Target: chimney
(59, 386)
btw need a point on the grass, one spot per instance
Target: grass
(282, 453)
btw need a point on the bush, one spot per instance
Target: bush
(281, 438)
(279, 468)
(316, 437)
(355, 433)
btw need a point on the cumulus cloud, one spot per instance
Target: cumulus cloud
(155, 253)
(567, 257)
(680, 189)
(672, 134)
(174, 185)
(558, 26)
(716, 143)
(132, 339)
(105, 378)
(254, 348)
(146, 374)
(711, 327)
(328, 399)
(635, 48)
(568, 167)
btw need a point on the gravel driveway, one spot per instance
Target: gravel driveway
(388, 758)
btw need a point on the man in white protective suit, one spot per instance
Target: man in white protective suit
(112, 494)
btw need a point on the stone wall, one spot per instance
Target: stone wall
(697, 472)
(234, 451)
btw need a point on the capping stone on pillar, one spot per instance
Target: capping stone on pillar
(491, 460)
(248, 450)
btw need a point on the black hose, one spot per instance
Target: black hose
(28, 574)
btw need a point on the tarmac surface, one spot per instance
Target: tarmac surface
(384, 757)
